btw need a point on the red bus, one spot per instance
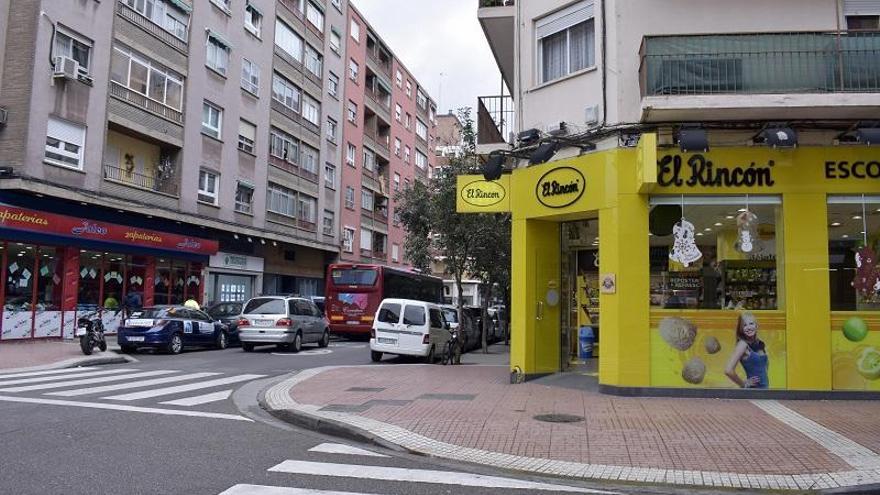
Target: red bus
(354, 291)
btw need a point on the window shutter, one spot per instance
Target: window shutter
(66, 131)
(366, 239)
(563, 19)
(247, 131)
(861, 7)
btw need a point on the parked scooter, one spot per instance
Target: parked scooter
(90, 330)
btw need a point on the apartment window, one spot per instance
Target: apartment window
(408, 121)
(355, 31)
(366, 240)
(421, 129)
(309, 161)
(396, 181)
(367, 199)
(315, 16)
(867, 22)
(311, 110)
(395, 253)
(349, 197)
(408, 89)
(250, 77)
(283, 145)
(421, 100)
(253, 19)
(146, 77)
(406, 152)
(247, 136)
(306, 206)
(369, 160)
(287, 40)
(332, 125)
(335, 41)
(421, 159)
(212, 120)
(397, 112)
(223, 4)
(218, 54)
(398, 78)
(431, 112)
(314, 61)
(64, 143)
(350, 154)
(72, 46)
(328, 222)
(352, 70)
(332, 84)
(244, 198)
(566, 41)
(165, 14)
(397, 146)
(352, 112)
(406, 183)
(396, 218)
(208, 187)
(348, 239)
(285, 92)
(330, 176)
(281, 200)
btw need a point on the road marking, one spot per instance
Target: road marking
(311, 352)
(124, 386)
(120, 407)
(279, 490)
(48, 372)
(853, 453)
(86, 381)
(339, 448)
(418, 476)
(200, 399)
(183, 388)
(56, 378)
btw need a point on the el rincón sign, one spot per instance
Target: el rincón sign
(483, 193)
(560, 187)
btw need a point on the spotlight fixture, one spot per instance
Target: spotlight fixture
(250, 240)
(528, 137)
(235, 235)
(777, 136)
(544, 153)
(262, 241)
(6, 171)
(274, 243)
(494, 166)
(869, 135)
(693, 138)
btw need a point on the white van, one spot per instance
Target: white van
(410, 328)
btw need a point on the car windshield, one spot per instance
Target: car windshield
(265, 306)
(152, 313)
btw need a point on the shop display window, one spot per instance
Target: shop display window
(853, 244)
(163, 282)
(89, 286)
(194, 281)
(113, 281)
(715, 252)
(178, 282)
(135, 275)
(18, 304)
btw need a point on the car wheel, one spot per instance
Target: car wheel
(297, 344)
(247, 347)
(429, 359)
(325, 339)
(176, 344)
(222, 342)
(375, 356)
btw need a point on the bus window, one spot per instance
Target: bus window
(354, 276)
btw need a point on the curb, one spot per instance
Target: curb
(276, 400)
(75, 363)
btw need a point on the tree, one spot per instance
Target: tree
(490, 262)
(414, 209)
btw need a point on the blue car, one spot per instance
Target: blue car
(171, 328)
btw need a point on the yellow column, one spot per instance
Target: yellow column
(803, 257)
(623, 323)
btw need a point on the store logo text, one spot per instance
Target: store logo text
(560, 187)
(483, 193)
(698, 171)
(89, 228)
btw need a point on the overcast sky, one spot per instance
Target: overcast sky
(438, 36)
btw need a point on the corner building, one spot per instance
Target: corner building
(712, 209)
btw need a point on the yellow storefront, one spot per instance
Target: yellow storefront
(671, 248)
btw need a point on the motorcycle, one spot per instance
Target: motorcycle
(90, 331)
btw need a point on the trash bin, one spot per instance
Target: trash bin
(585, 342)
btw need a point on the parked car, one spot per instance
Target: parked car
(171, 328)
(468, 329)
(286, 321)
(227, 313)
(410, 328)
(319, 302)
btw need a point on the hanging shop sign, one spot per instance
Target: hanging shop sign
(477, 195)
(673, 170)
(13, 217)
(233, 261)
(560, 187)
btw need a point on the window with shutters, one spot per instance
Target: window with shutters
(64, 143)
(244, 197)
(349, 197)
(208, 187)
(247, 136)
(566, 42)
(348, 239)
(862, 14)
(328, 222)
(253, 19)
(218, 54)
(290, 42)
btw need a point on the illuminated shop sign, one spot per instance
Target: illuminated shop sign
(560, 187)
(700, 171)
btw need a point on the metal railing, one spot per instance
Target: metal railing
(384, 66)
(497, 3)
(150, 182)
(761, 63)
(136, 18)
(123, 93)
(495, 119)
(376, 96)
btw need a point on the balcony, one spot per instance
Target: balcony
(136, 18)
(830, 75)
(154, 182)
(495, 121)
(498, 20)
(133, 97)
(380, 143)
(378, 57)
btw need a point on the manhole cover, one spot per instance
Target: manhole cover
(559, 418)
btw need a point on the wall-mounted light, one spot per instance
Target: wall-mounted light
(777, 136)
(250, 240)
(262, 241)
(235, 235)
(544, 153)
(494, 166)
(693, 138)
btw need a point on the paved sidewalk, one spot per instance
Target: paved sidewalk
(46, 354)
(471, 413)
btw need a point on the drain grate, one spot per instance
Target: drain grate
(559, 418)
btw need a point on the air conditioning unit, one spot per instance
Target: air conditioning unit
(66, 68)
(4, 116)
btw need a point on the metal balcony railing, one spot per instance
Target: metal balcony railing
(133, 97)
(761, 63)
(384, 65)
(495, 119)
(143, 181)
(136, 18)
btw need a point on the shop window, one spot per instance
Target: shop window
(178, 282)
(726, 260)
(163, 282)
(89, 286)
(853, 238)
(113, 282)
(18, 304)
(193, 282)
(136, 274)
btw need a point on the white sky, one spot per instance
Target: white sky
(438, 36)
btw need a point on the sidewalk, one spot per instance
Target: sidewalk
(471, 413)
(47, 354)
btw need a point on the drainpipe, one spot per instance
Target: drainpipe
(604, 69)
(839, 43)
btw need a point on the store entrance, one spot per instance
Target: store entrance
(580, 301)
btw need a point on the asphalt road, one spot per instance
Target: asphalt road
(190, 424)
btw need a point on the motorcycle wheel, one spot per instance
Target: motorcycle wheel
(102, 345)
(86, 345)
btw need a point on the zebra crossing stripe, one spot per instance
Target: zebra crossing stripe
(339, 448)
(280, 490)
(124, 386)
(85, 381)
(200, 399)
(120, 407)
(64, 377)
(183, 388)
(47, 372)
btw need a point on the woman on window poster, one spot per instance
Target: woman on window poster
(749, 352)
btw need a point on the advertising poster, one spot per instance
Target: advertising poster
(855, 351)
(692, 349)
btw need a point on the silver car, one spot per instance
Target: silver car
(287, 322)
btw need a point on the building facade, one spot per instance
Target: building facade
(703, 205)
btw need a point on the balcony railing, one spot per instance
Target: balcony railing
(149, 26)
(123, 93)
(494, 119)
(497, 3)
(384, 66)
(375, 95)
(143, 181)
(381, 141)
(761, 63)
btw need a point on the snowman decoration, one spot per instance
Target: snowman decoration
(684, 248)
(745, 224)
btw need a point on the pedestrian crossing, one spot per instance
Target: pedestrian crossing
(110, 388)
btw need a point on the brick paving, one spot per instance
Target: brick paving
(37, 353)
(858, 420)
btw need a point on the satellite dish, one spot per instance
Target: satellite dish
(662, 218)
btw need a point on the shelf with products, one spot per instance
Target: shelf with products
(748, 284)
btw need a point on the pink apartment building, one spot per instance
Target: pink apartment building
(387, 137)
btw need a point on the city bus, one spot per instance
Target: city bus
(354, 291)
